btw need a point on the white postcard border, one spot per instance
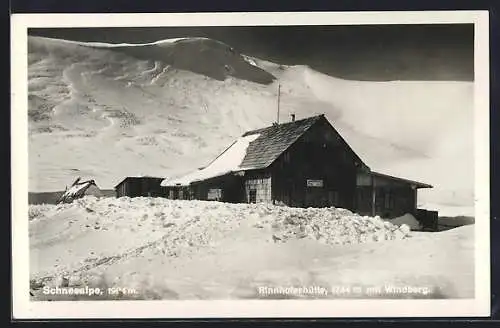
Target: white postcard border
(23, 308)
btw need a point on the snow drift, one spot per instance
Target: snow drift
(174, 249)
(407, 219)
(173, 226)
(169, 107)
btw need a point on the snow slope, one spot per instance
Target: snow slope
(175, 249)
(166, 108)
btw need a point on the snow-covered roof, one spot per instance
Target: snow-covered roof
(244, 154)
(229, 161)
(258, 149)
(412, 182)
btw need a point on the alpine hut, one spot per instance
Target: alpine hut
(139, 186)
(302, 163)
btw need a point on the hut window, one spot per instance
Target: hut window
(214, 194)
(252, 196)
(171, 194)
(181, 194)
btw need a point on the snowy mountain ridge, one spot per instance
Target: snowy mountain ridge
(107, 111)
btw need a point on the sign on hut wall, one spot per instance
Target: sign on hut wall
(214, 194)
(314, 183)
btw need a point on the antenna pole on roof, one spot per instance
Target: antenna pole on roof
(279, 94)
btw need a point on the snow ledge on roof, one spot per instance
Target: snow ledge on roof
(227, 162)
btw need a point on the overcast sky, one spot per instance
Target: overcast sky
(376, 52)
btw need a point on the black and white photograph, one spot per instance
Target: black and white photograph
(257, 161)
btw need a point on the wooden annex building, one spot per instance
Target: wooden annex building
(139, 186)
(302, 163)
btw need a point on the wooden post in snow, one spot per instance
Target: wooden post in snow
(374, 195)
(279, 94)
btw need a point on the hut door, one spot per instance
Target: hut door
(252, 196)
(316, 197)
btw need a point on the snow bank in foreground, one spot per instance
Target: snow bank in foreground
(331, 226)
(175, 249)
(328, 225)
(178, 227)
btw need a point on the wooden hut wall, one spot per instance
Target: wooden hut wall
(428, 219)
(121, 190)
(128, 188)
(315, 171)
(390, 197)
(151, 187)
(227, 188)
(136, 187)
(171, 192)
(258, 187)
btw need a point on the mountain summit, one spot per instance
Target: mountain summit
(108, 111)
(204, 56)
